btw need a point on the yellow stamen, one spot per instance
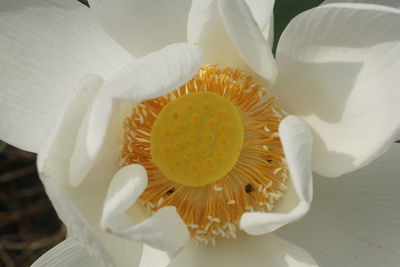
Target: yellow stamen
(254, 180)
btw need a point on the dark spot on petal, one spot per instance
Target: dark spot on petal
(249, 188)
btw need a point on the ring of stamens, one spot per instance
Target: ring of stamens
(254, 183)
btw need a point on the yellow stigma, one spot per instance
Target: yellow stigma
(197, 138)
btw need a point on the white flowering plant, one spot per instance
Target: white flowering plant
(168, 133)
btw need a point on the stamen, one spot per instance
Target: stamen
(254, 182)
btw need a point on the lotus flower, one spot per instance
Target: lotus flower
(88, 96)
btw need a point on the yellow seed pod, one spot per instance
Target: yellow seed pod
(197, 138)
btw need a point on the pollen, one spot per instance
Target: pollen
(211, 149)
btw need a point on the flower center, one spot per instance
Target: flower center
(197, 138)
(211, 148)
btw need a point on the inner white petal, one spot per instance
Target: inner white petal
(296, 140)
(164, 230)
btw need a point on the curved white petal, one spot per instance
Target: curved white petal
(262, 11)
(126, 186)
(68, 253)
(247, 37)
(46, 47)
(156, 73)
(205, 28)
(90, 137)
(164, 230)
(201, 17)
(204, 12)
(154, 257)
(142, 26)
(391, 3)
(80, 208)
(266, 250)
(148, 77)
(296, 140)
(354, 221)
(269, 32)
(343, 81)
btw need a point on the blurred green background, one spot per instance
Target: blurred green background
(285, 10)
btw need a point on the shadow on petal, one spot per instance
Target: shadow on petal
(265, 250)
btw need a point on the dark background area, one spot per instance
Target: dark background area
(29, 225)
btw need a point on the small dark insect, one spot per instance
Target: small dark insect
(249, 188)
(269, 160)
(169, 192)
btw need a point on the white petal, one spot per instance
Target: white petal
(46, 47)
(296, 139)
(204, 12)
(266, 250)
(343, 81)
(154, 258)
(262, 11)
(202, 15)
(126, 186)
(247, 37)
(354, 221)
(71, 119)
(164, 230)
(157, 73)
(80, 208)
(205, 28)
(391, 3)
(268, 32)
(148, 77)
(143, 26)
(90, 136)
(93, 131)
(68, 253)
